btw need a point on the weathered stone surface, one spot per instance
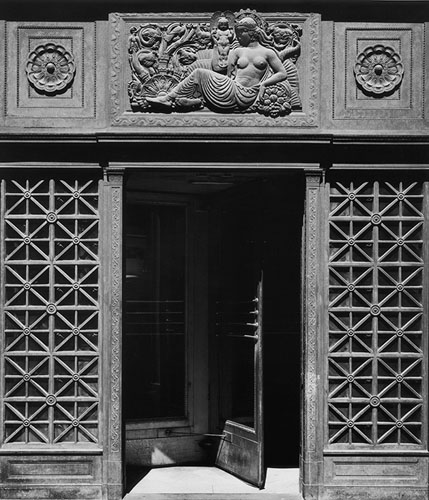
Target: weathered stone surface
(148, 72)
(397, 105)
(51, 74)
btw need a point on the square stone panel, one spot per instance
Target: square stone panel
(28, 96)
(375, 471)
(406, 100)
(24, 101)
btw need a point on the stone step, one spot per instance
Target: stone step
(213, 496)
(211, 483)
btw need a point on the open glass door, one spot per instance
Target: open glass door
(239, 330)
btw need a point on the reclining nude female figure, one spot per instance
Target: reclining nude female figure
(247, 76)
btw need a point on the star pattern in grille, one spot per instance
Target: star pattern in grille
(376, 348)
(51, 311)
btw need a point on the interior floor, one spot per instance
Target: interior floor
(193, 482)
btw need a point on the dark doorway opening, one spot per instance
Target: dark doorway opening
(282, 313)
(277, 200)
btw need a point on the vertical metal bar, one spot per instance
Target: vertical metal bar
(351, 318)
(375, 301)
(51, 390)
(425, 320)
(2, 304)
(27, 293)
(100, 344)
(324, 256)
(188, 310)
(75, 294)
(259, 376)
(400, 226)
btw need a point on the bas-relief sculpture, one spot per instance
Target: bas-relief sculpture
(379, 70)
(236, 63)
(50, 68)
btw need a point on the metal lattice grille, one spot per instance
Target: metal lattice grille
(376, 345)
(50, 312)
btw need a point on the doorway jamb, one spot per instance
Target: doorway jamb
(311, 415)
(112, 343)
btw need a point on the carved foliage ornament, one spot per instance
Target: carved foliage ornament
(50, 68)
(379, 70)
(231, 63)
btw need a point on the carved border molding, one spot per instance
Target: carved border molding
(116, 278)
(311, 314)
(311, 443)
(121, 114)
(310, 317)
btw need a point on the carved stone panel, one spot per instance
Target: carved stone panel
(50, 73)
(187, 69)
(376, 477)
(378, 74)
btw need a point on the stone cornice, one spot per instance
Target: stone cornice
(209, 136)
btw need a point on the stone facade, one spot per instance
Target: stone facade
(339, 98)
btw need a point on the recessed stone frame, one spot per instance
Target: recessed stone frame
(308, 67)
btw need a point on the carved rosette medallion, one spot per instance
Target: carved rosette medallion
(50, 68)
(379, 70)
(190, 66)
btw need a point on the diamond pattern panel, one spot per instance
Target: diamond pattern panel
(376, 307)
(51, 312)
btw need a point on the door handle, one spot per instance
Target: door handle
(226, 436)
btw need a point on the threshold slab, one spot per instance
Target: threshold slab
(211, 483)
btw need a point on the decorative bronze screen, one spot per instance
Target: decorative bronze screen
(50, 311)
(376, 313)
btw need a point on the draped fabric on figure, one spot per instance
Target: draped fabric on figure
(217, 90)
(251, 68)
